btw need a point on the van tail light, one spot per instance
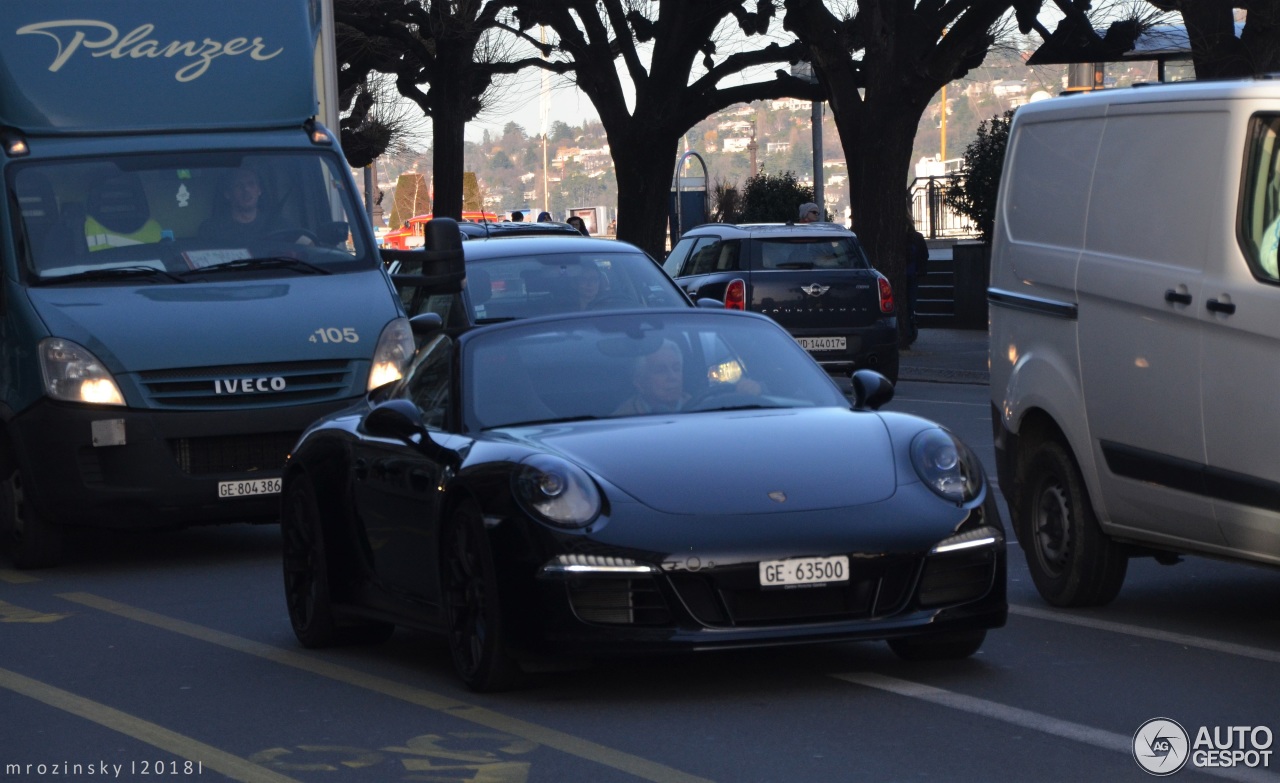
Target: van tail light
(735, 295)
(886, 295)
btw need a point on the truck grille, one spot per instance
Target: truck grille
(248, 385)
(233, 453)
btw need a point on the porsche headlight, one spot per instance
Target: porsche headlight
(946, 466)
(73, 374)
(392, 354)
(557, 492)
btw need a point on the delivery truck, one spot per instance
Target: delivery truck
(188, 276)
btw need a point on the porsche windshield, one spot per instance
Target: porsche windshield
(633, 364)
(179, 214)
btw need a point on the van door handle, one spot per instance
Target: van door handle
(1174, 297)
(1214, 306)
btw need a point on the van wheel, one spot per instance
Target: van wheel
(1072, 562)
(34, 541)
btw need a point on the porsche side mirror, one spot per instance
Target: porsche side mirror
(398, 419)
(870, 389)
(424, 324)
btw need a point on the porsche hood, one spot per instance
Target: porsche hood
(737, 462)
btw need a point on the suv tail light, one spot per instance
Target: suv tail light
(735, 295)
(886, 295)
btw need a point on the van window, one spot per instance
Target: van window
(1259, 219)
(1050, 165)
(180, 212)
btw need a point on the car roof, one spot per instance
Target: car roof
(768, 230)
(543, 244)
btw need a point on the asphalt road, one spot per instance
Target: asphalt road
(172, 653)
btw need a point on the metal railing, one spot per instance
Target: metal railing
(930, 212)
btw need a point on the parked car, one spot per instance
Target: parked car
(812, 278)
(635, 482)
(524, 276)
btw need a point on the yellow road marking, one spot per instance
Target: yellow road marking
(184, 747)
(16, 614)
(551, 738)
(17, 577)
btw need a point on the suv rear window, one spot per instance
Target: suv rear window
(811, 253)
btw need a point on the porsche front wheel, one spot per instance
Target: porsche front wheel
(473, 614)
(938, 647)
(1072, 562)
(306, 575)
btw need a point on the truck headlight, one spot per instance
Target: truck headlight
(946, 466)
(73, 374)
(392, 354)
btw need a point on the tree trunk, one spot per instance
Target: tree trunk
(448, 140)
(644, 171)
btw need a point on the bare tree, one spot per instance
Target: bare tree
(1216, 52)
(452, 48)
(669, 53)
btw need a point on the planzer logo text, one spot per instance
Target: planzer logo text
(1162, 747)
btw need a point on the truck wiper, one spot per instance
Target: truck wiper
(269, 262)
(111, 273)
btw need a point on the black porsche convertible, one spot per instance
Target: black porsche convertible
(635, 482)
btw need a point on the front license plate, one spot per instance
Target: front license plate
(804, 571)
(240, 489)
(822, 343)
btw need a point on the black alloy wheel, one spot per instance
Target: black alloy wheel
(306, 575)
(473, 615)
(939, 646)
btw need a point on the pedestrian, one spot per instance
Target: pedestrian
(809, 213)
(517, 216)
(544, 217)
(579, 224)
(917, 267)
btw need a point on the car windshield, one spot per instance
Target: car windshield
(812, 253)
(636, 364)
(184, 215)
(528, 285)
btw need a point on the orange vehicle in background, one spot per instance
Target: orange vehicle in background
(410, 235)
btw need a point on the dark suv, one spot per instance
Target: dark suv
(814, 279)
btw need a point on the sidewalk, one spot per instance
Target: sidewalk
(947, 356)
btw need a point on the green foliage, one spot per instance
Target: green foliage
(472, 198)
(974, 195)
(726, 202)
(412, 197)
(772, 198)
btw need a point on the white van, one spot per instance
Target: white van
(1135, 331)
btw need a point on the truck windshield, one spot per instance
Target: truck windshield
(180, 214)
